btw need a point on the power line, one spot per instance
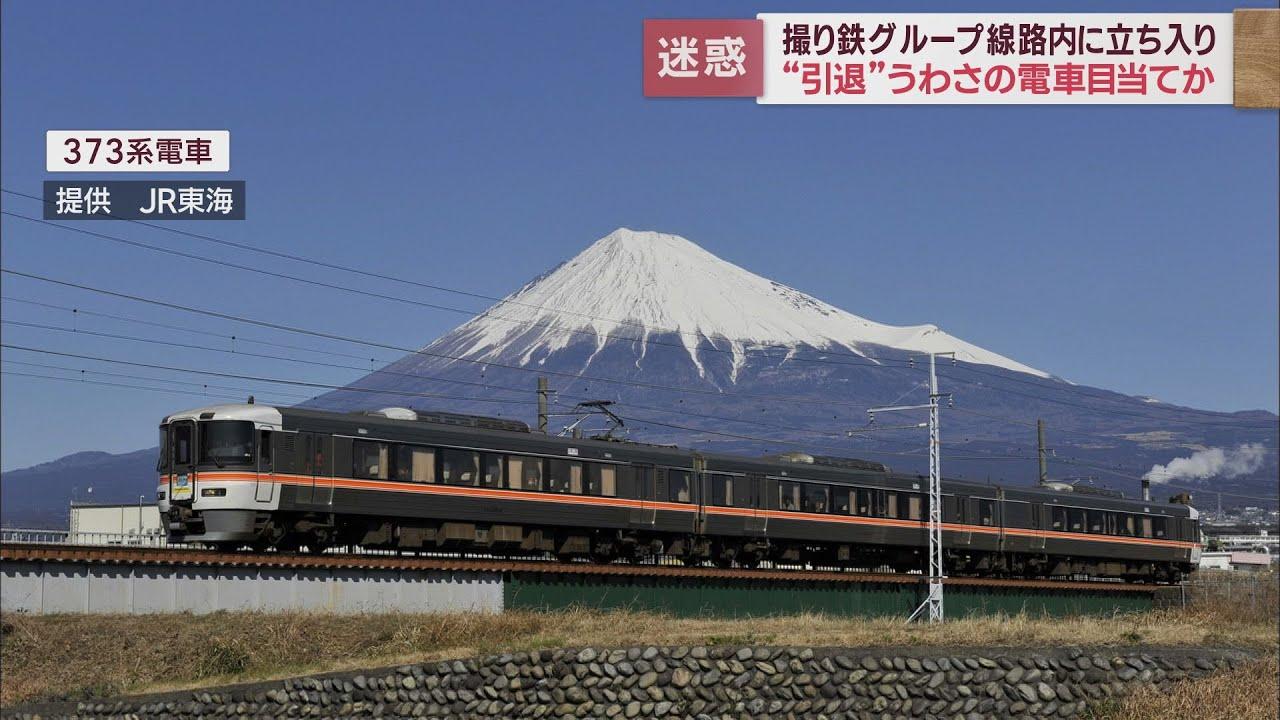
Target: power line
(417, 351)
(1104, 468)
(790, 349)
(128, 386)
(511, 301)
(131, 338)
(1066, 431)
(550, 327)
(407, 350)
(789, 355)
(235, 338)
(1110, 411)
(253, 378)
(206, 348)
(77, 311)
(103, 373)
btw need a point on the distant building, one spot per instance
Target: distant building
(127, 524)
(1243, 538)
(1235, 560)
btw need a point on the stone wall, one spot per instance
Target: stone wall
(701, 682)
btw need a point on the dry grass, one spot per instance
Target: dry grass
(72, 656)
(1245, 693)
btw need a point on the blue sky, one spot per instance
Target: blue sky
(476, 145)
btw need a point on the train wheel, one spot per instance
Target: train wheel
(605, 551)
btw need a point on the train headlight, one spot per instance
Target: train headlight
(213, 492)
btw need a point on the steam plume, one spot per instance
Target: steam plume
(1213, 462)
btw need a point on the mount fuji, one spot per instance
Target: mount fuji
(696, 351)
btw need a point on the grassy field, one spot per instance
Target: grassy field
(77, 656)
(1246, 693)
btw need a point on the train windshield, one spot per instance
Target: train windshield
(162, 463)
(226, 442)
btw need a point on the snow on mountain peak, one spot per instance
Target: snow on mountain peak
(632, 284)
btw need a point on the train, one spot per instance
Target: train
(291, 479)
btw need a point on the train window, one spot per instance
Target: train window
(226, 442)
(1095, 521)
(459, 467)
(722, 490)
(602, 480)
(1128, 525)
(840, 500)
(415, 464)
(564, 476)
(491, 475)
(1146, 527)
(1059, 519)
(627, 480)
(986, 512)
(678, 489)
(162, 462)
(524, 473)
(369, 460)
(891, 509)
(788, 496)
(264, 450)
(862, 502)
(815, 498)
(879, 503)
(914, 507)
(1158, 525)
(1076, 520)
(402, 468)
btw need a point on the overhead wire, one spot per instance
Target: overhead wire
(629, 404)
(882, 363)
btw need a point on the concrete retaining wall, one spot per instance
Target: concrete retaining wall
(42, 588)
(701, 682)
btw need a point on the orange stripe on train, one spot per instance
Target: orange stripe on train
(498, 493)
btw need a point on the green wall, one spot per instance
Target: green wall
(734, 598)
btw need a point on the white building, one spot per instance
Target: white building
(1235, 560)
(126, 524)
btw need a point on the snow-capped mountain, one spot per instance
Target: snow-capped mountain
(631, 285)
(700, 352)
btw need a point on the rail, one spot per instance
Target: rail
(40, 536)
(141, 555)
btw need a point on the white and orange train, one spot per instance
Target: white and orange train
(264, 477)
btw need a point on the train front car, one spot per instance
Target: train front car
(210, 490)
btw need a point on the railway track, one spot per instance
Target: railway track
(124, 555)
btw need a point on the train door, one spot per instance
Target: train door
(182, 481)
(964, 515)
(758, 522)
(1039, 521)
(645, 513)
(266, 485)
(306, 443)
(999, 518)
(699, 490)
(322, 470)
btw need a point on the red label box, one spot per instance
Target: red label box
(703, 58)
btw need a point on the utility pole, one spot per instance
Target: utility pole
(542, 405)
(936, 570)
(1044, 462)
